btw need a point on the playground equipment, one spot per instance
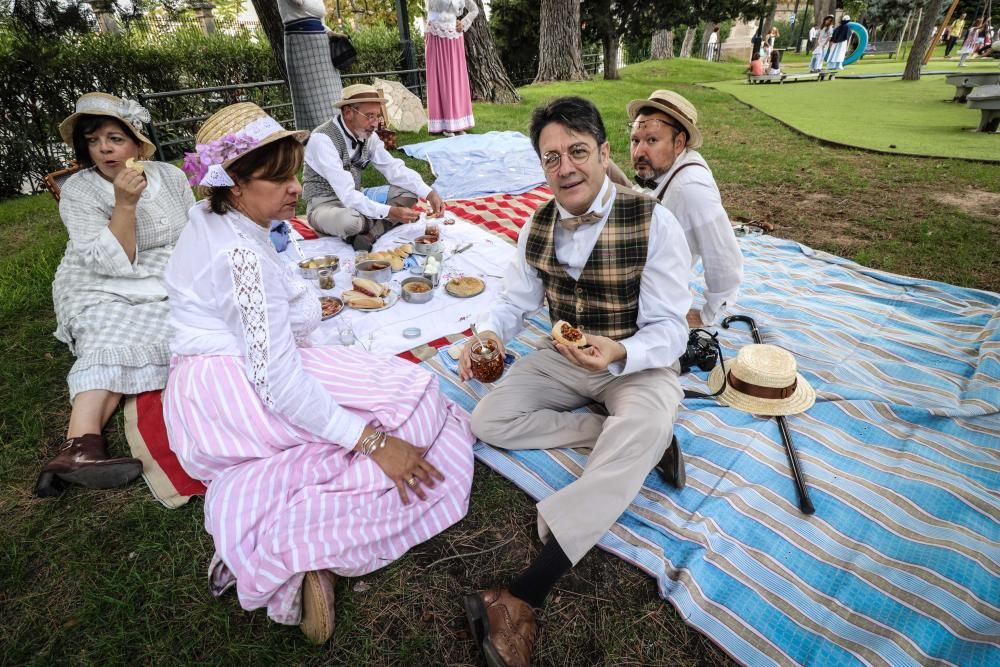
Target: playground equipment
(862, 34)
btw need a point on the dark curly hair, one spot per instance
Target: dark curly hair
(573, 113)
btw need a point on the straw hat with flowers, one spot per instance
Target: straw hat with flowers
(763, 381)
(129, 112)
(674, 105)
(229, 134)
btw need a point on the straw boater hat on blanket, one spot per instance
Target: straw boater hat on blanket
(674, 105)
(229, 134)
(359, 93)
(763, 381)
(129, 112)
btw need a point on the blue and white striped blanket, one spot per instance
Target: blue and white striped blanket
(900, 564)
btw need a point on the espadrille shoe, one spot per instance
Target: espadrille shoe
(317, 606)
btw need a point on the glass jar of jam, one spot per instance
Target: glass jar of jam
(487, 362)
(325, 278)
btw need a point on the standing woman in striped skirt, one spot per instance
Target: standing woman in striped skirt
(318, 460)
(449, 100)
(312, 78)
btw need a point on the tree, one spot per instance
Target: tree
(487, 77)
(662, 47)
(559, 50)
(514, 26)
(931, 15)
(270, 21)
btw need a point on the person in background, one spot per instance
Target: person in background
(713, 44)
(756, 65)
(955, 34)
(775, 65)
(839, 40)
(111, 309)
(319, 461)
(449, 100)
(972, 41)
(822, 43)
(313, 80)
(813, 32)
(615, 263)
(337, 154)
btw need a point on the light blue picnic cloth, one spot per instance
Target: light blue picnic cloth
(474, 165)
(900, 564)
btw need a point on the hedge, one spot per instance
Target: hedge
(40, 80)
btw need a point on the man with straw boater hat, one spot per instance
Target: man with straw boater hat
(338, 152)
(664, 135)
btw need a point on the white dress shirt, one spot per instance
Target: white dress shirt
(231, 295)
(695, 201)
(291, 10)
(664, 297)
(322, 156)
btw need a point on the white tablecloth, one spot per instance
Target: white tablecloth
(382, 332)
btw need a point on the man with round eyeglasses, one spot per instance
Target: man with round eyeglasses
(337, 153)
(615, 264)
(664, 136)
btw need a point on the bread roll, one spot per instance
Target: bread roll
(369, 287)
(565, 333)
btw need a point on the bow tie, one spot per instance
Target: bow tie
(648, 183)
(586, 219)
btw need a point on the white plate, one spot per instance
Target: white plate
(390, 300)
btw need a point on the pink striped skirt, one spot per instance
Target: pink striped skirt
(279, 503)
(449, 100)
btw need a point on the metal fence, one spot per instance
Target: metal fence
(178, 113)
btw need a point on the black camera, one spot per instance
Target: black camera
(702, 351)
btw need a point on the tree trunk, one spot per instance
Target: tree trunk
(769, 19)
(922, 39)
(611, 41)
(559, 52)
(663, 45)
(688, 42)
(822, 9)
(487, 76)
(270, 20)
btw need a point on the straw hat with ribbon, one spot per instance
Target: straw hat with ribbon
(674, 105)
(229, 134)
(359, 93)
(129, 112)
(763, 381)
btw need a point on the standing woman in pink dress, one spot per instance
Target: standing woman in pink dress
(449, 102)
(319, 461)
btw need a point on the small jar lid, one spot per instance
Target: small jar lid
(411, 332)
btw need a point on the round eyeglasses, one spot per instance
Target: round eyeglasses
(578, 154)
(372, 117)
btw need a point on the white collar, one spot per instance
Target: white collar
(347, 133)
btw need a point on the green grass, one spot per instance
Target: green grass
(113, 578)
(892, 115)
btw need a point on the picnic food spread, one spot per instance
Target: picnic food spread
(330, 306)
(396, 258)
(366, 295)
(565, 333)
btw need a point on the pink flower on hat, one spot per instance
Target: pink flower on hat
(197, 164)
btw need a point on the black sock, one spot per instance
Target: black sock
(533, 585)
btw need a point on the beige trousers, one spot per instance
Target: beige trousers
(332, 219)
(529, 409)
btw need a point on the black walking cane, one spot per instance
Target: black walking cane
(805, 504)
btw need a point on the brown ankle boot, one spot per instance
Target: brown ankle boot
(84, 460)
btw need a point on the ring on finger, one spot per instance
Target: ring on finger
(412, 482)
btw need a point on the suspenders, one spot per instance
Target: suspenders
(681, 168)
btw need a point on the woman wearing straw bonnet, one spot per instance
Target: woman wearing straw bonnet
(312, 78)
(123, 218)
(449, 101)
(318, 460)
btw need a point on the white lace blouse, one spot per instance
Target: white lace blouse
(442, 14)
(230, 294)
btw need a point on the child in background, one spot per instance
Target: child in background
(756, 65)
(775, 63)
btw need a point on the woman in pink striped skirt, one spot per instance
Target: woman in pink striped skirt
(318, 460)
(449, 102)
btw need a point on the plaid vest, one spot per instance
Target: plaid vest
(605, 300)
(314, 186)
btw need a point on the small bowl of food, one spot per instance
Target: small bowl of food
(379, 270)
(426, 245)
(417, 290)
(309, 268)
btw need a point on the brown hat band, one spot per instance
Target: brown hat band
(361, 97)
(758, 391)
(671, 107)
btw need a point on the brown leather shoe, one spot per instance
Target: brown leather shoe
(504, 626)
(317, 606)
(84, 460)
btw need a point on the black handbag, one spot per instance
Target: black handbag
(342, 52)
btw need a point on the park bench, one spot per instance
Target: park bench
(876, 48)
(965, 82)
(987, 100)
(782, 78)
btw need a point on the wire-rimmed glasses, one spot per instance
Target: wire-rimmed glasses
(578, 154)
